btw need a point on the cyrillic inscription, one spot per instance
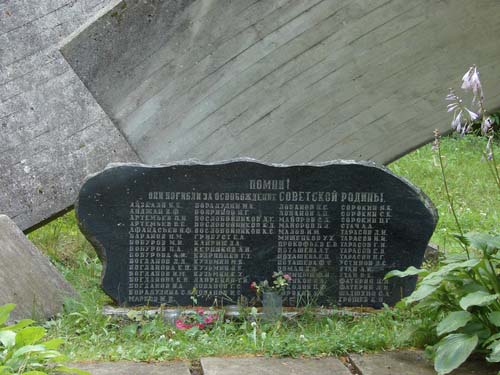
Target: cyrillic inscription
(211, 230)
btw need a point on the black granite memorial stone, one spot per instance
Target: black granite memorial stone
(165, 232)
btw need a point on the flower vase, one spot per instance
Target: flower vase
(171, 316)
(272, 305)
(232, 311)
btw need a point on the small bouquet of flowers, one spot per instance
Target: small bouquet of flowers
(197, 318)
(279, 283)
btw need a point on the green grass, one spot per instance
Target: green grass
(90, 335)
(86, 329)
(474, 192)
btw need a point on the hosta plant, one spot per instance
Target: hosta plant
(463, 295)
(23, 351)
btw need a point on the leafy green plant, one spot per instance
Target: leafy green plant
(463, 295)
(22, 350)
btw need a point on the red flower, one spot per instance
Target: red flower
(287, 277)
(253, 285)
(208, 319)
(200, 311)
(181, 325)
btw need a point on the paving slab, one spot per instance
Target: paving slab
(133, 368)
(272, 366)
(27, 277)
(413, 363)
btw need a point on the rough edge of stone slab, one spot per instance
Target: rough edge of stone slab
(61, 288)
(367, 163)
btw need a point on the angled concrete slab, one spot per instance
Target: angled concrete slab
(282, 80)
(52, 131)
(272, 366)
(27, 277)
(132, 368)
(413, 363)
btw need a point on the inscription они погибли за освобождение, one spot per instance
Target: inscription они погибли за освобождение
(336, 229)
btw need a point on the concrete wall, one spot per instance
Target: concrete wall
(278, 80)
(284, 80)
(52, 132)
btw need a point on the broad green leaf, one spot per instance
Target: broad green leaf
(477, 328)
(495, 352)
(434, 281)
(453, 321)
(430, 303)
(452, 351)
(35, 373)
(492, 338)
(495, 345)
(19, 325)
(494, 357)
(435, 278)
(71, 370)
(53, 344)
(443, 271)
(410, 271)
(480, 298)
(494, 318)
(454, 258)
(5, 311)
(422, 291)
(483, 241)
(29, 336)
(53, 356)
(472, 286)
(7, 338)
(28, 349)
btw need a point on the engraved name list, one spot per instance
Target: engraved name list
(209, 230)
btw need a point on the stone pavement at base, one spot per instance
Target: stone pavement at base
(388, 363)
(131, 368)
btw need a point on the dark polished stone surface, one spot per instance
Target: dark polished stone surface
(337, 228)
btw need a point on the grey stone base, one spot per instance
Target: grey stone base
(27, 277)
(387, 363)
(132, 368)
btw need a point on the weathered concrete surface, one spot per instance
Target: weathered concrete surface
(284, 80)
(413, 363)
(387, 363)
(131, 368)
(272, 366)
(27, 278)
(52, 132)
